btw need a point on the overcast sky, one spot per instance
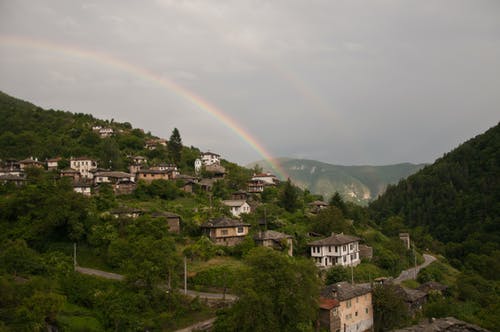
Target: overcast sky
(347, 82)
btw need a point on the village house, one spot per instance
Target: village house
(237, 207)
(83, 188)
(317, 206)
(126, 212)
(153, 143)
(53, 164)
(239, 195)
(255, 186)
(267, 178)
(275, 240)
(112, 177)
(365, 251)
(83, 165)
(216, 171)
(172, 169)
(225, 231)
(354, 312)
(70, 173)
(173, 220)
(17, 180)
(12, 171)
(210, 158)
(149, 175)
(139, 160)
(413, 298)
(338, 249)
(30, 162)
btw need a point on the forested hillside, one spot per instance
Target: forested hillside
(30, 131)
(456, 200)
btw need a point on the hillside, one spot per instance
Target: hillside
(30, 131)
(359, 184)
(457, 201)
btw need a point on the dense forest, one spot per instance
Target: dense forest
(42, 220)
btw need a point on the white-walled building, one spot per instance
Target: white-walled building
(267, 178)
(210, 158)
(83, 165)
(237, 207)
(338, 249)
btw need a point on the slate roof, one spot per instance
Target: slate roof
(432, 286)
(410, 295)
(113, 174)
(234, 203)
(271, 235)
(165, 214)
(334, 240)
(223, 222)
(448, 324)
(318, 203)
(343, 291)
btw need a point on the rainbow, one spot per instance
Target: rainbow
(199, 102)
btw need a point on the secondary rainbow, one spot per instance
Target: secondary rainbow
(144, 73)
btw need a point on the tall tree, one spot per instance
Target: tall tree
(289, 197)
(276, 293)
(175, 146)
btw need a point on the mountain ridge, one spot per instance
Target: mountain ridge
(356, 183)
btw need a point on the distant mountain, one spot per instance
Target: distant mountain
(359, 184)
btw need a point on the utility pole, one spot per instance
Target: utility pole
(352, 274)
(185, 276)
(265, 217)
(74, 256)
(415, 259)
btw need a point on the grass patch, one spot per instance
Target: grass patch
(410, 283)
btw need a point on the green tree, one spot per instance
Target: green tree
(289, 197)
(388, 308)
(336, 274)
(330, 220)
(338, 201)
(276, 293)
(175, 146)
(41, 308)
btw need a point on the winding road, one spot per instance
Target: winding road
(413, 272)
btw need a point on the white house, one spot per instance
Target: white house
(83, 188)
(83, 165)
(237, 207)
(338, 249)
(53, 163)
(113, 177)
(267, 178)
(210, 158)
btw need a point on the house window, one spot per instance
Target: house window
(356, 314)
(350, 246)
(348, 304)
(223, 232)
(240, 230)
(366, 310)
(345, 259)
(330, 248)
(344, 248)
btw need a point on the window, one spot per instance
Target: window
(329, 248)
(366, 310)
(240, 230)
(356, 314)
(348, 304)
(345, 259)
(224, 232)
(336, 249)
(344, 248)
(350, 246)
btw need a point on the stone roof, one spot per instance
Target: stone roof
(210, 154)
(114, 174)
(328, 304)
(234, 203)
(318, 203)
(12, 177)
(152, 171)
(432, 286)
(335, 240)
(410, 295)
(271, 235)
(448, 324)
(164, 214)
(223, 222)
(344, 291)
(82, 158)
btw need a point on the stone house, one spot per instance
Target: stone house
(275, 240)
(83, 165)
(317, 206)
(53, 163)
(237, 207)
(329, 318)
(173, 220)
(149, 175)
(225, 231)
(338, 249)
(355, 309)
(30, 162)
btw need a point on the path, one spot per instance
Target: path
(412, 272)
(200, 326)
(190, 293)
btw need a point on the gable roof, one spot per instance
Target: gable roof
(223, 222)
(343, 291)
(234, 202)
(335, 240)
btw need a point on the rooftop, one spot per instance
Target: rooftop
(344, 291)
(328, 304)
(271, 235)
(233, 203)
(335, 240)
(223, 222)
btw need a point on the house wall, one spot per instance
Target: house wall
(84, 167)
(356, 314)
(148, 177)
(174, 225)
(344, 255)
(228, 236)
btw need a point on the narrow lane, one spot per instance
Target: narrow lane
(411, 273)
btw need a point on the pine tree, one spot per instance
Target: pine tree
(175, 146)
